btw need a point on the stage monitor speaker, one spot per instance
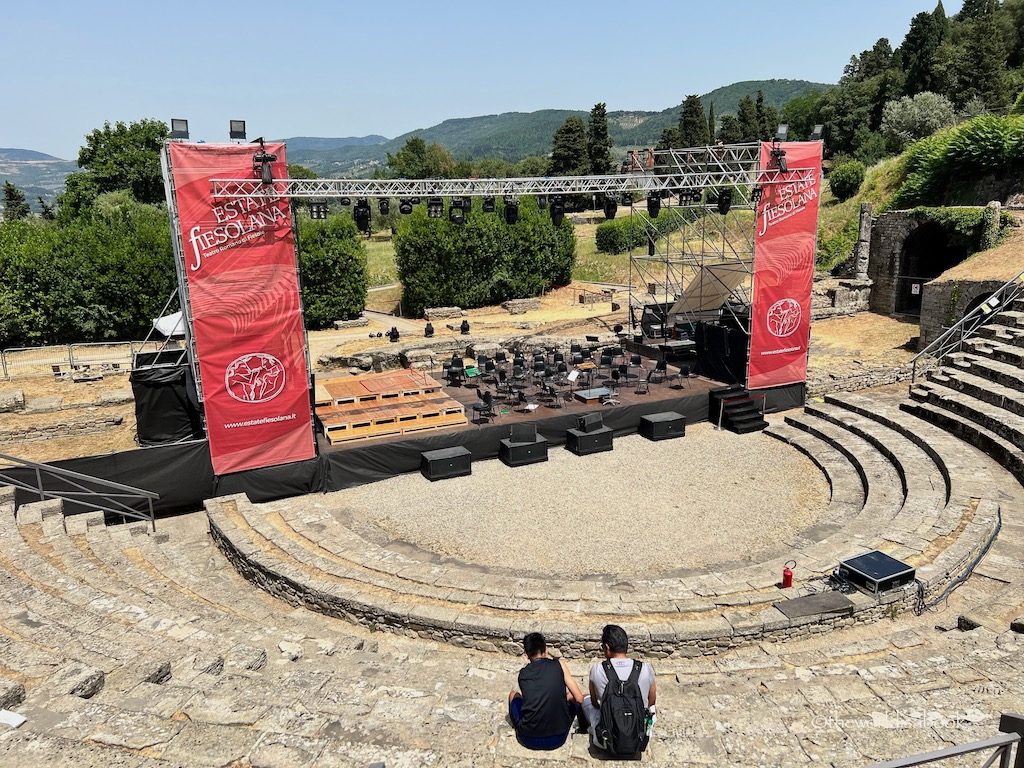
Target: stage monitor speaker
(663, 426)
(520, 453)
(445, 463)
(589, 422)
(876, 572)
(582, 443)
(523, 433)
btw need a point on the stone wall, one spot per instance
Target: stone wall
(856, 376)
(944, 303)
(888, 233)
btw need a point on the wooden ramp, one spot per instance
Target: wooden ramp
(382, 404)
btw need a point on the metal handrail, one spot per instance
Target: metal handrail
(953, 337)
(1011, 727)
(105, 500)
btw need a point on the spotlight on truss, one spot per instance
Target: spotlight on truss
(361, 213)
(778, 155)
(261, 168)
(756, 194)
(511, 209)
(653, 204)
(782, 132)
(557, 210)
(346, 201)
(724, 201)
(488, 204)
(455, 213)
(467, 204)
(819, 129)
(236, 129)
(384, 206)
(610, 207)
(627, 198)
(542, 201)
(405, 206)
(179, 128)
(435, 208)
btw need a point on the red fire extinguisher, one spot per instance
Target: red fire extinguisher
(787, 574)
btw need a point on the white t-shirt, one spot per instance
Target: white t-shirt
(622, 668)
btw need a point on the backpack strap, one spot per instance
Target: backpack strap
(610, 674)
(634, 674)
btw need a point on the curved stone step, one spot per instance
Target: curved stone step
(980, 388)
(996, 350)
(845, 484)
(1001, 373)
(1007, 425)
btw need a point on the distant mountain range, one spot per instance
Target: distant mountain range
(515, 135)
(511, 136)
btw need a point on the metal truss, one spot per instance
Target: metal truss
(674, 171)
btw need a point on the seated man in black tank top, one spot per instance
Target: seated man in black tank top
(544, 712)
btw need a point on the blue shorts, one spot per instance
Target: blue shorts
(515, 713)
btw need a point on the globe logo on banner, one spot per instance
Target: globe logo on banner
(254, 378)
(783, 318)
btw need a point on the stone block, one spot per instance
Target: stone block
(442, 313)
(12, 693)
(358, 322)
(75, 679)
(12, 400)
(520, 306)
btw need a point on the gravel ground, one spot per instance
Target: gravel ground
(643, 509)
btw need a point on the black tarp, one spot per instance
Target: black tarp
(166, 405)
(721, 352)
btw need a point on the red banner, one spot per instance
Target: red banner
(787, 227)
(238, 258)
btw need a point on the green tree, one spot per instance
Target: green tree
(746, 115)
(599, 144)
(767, 118)
(802, 114)
(912, 118)
(15, 206)
(296, 171)
(730, 132)
(669, 139)
(693, 123)
(46, 211)
(918, 50)
(531, 166)
(712, 123)
(334, 276)
(126, 156)
(569, 149)
(419, 160)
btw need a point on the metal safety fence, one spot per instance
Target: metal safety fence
(67, 359)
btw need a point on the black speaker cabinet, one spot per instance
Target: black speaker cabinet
(581, 443)
(589, 422)
(876, 572)
(445, 463)
(519, 454)
(663, 426)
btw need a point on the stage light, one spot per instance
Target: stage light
(414, 200)
(651, 250)
(779, 157)
(488, 204)
(345, 201)
(511, 210)
(724, 201)
(627, 198)
(542, 201)
(653, 204)
(467, 204)
(557, 210)
(361, 214)
(782, 132)
(817, 132)
(261, 161)
(405, 207)
(435, 208)
(236, 129)
(428, 330)
(610, 207)
(455, 213)
(384, 206)
(179, 128)
(755, 195)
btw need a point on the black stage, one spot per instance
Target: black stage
(183, 475)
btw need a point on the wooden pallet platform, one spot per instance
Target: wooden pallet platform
(374, 387)
(405, 415)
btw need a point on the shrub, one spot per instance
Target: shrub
(332, 259)
(912, 118)
(483, 261)
(845, 179)
(621, 235)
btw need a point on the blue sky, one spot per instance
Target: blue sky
(318, 68)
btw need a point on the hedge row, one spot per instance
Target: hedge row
(621, 235)
(482, 261)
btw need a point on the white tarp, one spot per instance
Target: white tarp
(170, 325)
(710, 288)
